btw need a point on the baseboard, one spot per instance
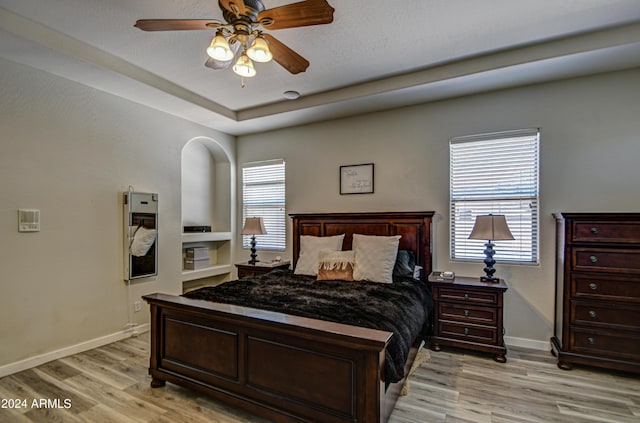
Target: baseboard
(527, 343)
(37, 360)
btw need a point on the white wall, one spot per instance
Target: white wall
(198, 184)
(71, 151)
(590, 145)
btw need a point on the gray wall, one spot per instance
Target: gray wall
(590, 146)
(71, 151)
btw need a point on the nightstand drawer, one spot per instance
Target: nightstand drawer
(603, 231)
(607, 260)
(606, 315)
(467, 296)
(470, 333)
(468, 313)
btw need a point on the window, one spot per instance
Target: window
(495, 173)
(263, 196)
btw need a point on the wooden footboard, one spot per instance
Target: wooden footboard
(282, 367)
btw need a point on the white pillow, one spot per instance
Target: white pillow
(310, 246)
(143, 239)
(375, 257)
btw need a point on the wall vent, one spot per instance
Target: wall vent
(28, 220)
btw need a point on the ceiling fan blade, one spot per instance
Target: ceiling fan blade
(234, 6)
(304, 13)
(287, 58)
(219, 64)
(177, 24)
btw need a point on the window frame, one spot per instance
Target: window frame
(275, 222)
(514, 199)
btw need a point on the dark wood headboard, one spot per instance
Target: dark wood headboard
(415, 228)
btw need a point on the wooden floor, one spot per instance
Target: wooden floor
(110, 384)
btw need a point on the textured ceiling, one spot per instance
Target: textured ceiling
(375, 55)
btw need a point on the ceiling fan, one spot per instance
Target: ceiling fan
(242, 32)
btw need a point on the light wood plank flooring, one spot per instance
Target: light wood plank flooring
(110, 384)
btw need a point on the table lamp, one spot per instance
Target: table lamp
(253, 226)
(492, 227)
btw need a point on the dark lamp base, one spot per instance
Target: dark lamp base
(489, 262)
(491, 279)
(254, 253)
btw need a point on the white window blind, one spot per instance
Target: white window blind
(498, 174)
(263, 195)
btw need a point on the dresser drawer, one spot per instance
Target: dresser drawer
(467, 296)
(603, 231)
(606, 315)
(466, 313)
(606, 260)
(470, 333)
(620, 345)
(607, 288)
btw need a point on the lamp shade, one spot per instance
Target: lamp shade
(491, 227)
(244, 66)
(220, 49)
(259, 50)
(253, 226)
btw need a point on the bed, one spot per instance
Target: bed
(285, 367)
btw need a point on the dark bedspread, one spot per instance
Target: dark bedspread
(402, 307)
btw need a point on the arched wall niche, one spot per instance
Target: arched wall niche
(206, 184)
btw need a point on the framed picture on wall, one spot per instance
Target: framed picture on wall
(356, 179)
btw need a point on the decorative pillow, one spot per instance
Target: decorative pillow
(310, 247)
(375, 257)
(143, 239)
(336, 265)
(405, 264)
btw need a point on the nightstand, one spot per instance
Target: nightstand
(468, 314)
(260, 268)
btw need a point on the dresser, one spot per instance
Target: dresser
(468, 314)
(597, 317)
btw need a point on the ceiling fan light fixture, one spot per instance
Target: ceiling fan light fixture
(244, 66)
(259, 50)
(220, 48)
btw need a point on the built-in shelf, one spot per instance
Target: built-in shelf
(205, 236)
(214, 241)
(216, 270)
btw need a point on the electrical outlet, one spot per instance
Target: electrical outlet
(137, 306)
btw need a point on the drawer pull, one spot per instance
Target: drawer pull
(592, 314)
(591, 340)
(593, 259)
(593, 286)
(466, 331)
(466, 313)
(466, 296)
(594, 230)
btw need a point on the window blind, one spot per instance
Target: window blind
(498, 174)
(263, 195)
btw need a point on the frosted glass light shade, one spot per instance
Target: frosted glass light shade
(259, 51)
(220, 49)
(244, 66)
